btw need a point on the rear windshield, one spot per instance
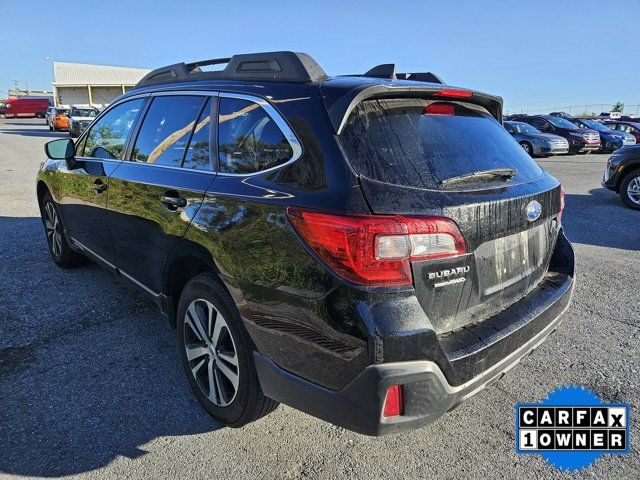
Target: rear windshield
(83, 112)
(420, 143)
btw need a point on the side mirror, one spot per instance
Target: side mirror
(62, 149)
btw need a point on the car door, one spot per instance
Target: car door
(84, 189)
(155, 193)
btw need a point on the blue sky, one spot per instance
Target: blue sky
(535, 54)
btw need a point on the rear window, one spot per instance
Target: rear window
(419, 143)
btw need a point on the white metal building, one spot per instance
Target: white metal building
(95, 85)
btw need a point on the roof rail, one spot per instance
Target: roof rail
(267, 66)
(388, 70)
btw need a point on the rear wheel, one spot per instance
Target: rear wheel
(527, 147)
(60, 250)
(630, 190)
(217, 354)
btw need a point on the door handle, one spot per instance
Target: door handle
(173, 202)
(99, 186)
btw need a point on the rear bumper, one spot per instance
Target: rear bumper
(427, 394)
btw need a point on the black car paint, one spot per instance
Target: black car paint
(625, 160)
(300, 316)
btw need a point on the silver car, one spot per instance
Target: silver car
(534, 141)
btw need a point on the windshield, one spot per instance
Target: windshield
(83, 112)
(521, 127)
(595, 125)
(420, 143)
(561, 123)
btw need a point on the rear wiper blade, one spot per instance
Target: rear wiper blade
(503, 173)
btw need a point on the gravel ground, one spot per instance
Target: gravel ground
(91, 385)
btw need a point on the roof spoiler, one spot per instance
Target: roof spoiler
(340, 104)
(268, 66)
(388, 71)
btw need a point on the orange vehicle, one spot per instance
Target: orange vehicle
(58, 119)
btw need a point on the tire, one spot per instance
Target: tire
(631, 182)
(527, 147)
(231, 351)
(59, 249)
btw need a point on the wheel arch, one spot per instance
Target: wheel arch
(629, 166)
(42, 189)
(183, 264)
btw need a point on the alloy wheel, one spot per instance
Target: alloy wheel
(211, 352)
(526, 148)
(53, 230)
(633, 190)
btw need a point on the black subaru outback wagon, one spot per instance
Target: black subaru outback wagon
(371, 249)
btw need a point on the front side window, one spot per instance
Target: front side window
(166, 129)
(108, 136)
(249, 139)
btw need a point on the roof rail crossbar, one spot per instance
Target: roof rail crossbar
(267, 66)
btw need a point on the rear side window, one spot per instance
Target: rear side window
(420, 143)
(108, 136)
(249, 139)
(166, 129)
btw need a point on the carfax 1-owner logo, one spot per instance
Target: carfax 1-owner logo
(572, 427)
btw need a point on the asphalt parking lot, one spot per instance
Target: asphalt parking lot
(91, 385)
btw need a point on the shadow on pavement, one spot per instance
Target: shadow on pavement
(601, 219)
(88, 368)
(35, 133)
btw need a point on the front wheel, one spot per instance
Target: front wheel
(630, 190)
(217, 354)
(59, 249)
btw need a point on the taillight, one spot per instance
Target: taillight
(393, 402)
(453, 93)
(376, 250)
(446, 109)
(563, 194)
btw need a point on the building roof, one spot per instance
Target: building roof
(65, 73)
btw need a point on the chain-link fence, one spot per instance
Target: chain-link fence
(581, 110)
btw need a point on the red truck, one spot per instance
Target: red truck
(25, 107)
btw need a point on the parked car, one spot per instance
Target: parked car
(561, 115)
(580, 140)
(46, 115)
(631, 128)
(609, 139)
(329, 243)
(79, 119)
(59, 119)
(610, 115)
(622, 175)
(534, 142)
(25, 107)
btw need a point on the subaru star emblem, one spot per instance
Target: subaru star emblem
(534, 209)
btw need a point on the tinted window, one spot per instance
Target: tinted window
(400, 141)
(83, 112)
(539, 123)
(198, 152)
(166, 129)
(249, 139)
(108, 136)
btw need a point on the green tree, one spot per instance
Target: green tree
(618, 106)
